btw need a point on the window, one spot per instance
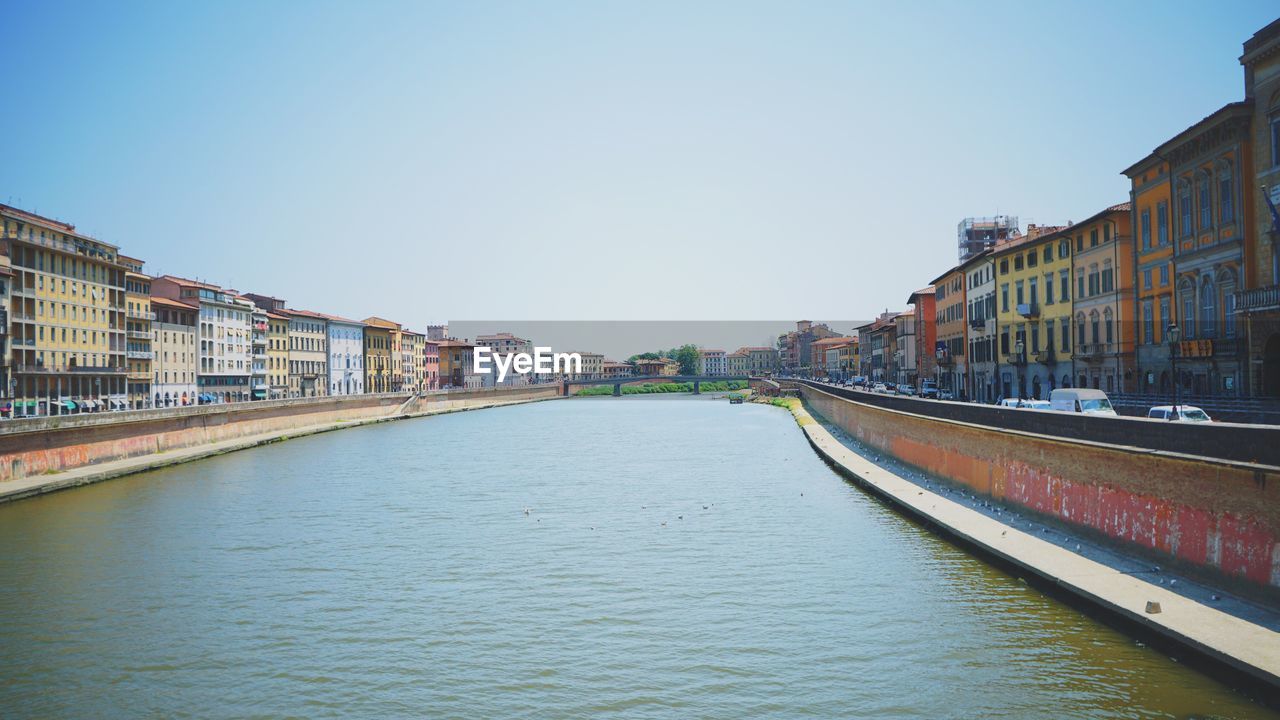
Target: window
(1004, 267)
(1048, 288)
(1080, 329)
(1093, 326)
(1187, 296)
(1017, 262)
(1033, 259)
(1145, 224)
(1164, 274)
(1064, 248)
(1080, 284)
(1208, 307)
(1107, 276)
(1035, 338)
(1165, 316)
(1093, 238)
(1109, 325)
(1146, 279)
(1275, 139)
(1035, 296)
(1206, 207)
(1048, 253)
(1018, 292)
(1162, 223)
(1004, 297)
(1066, 336)
(1064, 286)
(1080, 243)
(1148, 323)
(1184, 207)
(1226, 190)
(1227, 286)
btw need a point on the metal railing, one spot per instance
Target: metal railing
(1263, 298)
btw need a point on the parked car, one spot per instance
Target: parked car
(929, 389)
(1081, 400)
(905, 389)
(945, 394)
(880, 388)
(1186, 413)
(1026, 404)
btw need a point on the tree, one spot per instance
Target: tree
(687, 356)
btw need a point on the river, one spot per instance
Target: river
(681, 557)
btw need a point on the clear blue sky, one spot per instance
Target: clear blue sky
(596, 160)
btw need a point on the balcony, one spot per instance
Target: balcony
(78, 370)
(141, 315)
(1092, 352)
(1044, 357)
(979, 323)
(1263, 298)
(138, 334)
(139, 354)
(1029, 310)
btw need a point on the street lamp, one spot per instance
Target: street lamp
(1173, 334)
(1019, 360)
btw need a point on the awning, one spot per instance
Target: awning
(29, 404)
(86, 404)
(259, 393)
(121, 404)
(69, 404)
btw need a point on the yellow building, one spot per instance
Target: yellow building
(1033, 312)
(67, 315)
(1103, 306)
(377, 355)
(1150, 194)
(277, 355)
(139, 352)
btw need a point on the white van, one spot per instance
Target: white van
(1081, 400)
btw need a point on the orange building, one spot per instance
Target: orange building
(949, 323)
(1150, 195)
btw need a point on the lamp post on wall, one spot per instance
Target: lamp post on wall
(1173, 335)
(1020, 359)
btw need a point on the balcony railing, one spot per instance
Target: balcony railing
(978, 323)
(1029, 310)
(141, 315)
(1044, 357)
(1263, 298)
(79, 369)
(138, 334)
(139, 354)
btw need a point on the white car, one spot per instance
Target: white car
(1081, 400)
(1026, 404)
(1186, 413)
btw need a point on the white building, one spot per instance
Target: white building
(258, 342)
(503, 345)
(346, 356)
(712, 362)
(173, 340)
(223, 336)
(980, 296)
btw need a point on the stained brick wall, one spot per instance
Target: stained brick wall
(1220, 516)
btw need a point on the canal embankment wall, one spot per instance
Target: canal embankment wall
(1214, 515)
(1245, 650)
(42, 448)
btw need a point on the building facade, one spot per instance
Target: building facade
(377, 356)
(1103, 264)
(981, 334)
(223, 335)
(711, 362)
(139, 352)
(1153, 308)
(177, 354)
(67, 318)
(308, 353)
(259, 353)
(346, 355)
(950, 346)
(1258, 303)
(1033, 313)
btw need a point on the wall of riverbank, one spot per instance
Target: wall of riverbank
(1221, 516)
(51, 445)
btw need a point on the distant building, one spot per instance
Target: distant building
(377, 355)
(735, 363)
(456, 369)
(614, 369)
(712, 362)
(503, 345)
(138, 348)
(975, 234)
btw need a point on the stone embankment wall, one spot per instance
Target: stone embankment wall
(50, 445)
(1219, 515)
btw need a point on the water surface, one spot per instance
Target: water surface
(682, 557)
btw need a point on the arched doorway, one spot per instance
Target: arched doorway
(1271, 366)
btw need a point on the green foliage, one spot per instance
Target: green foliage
(687, 356)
